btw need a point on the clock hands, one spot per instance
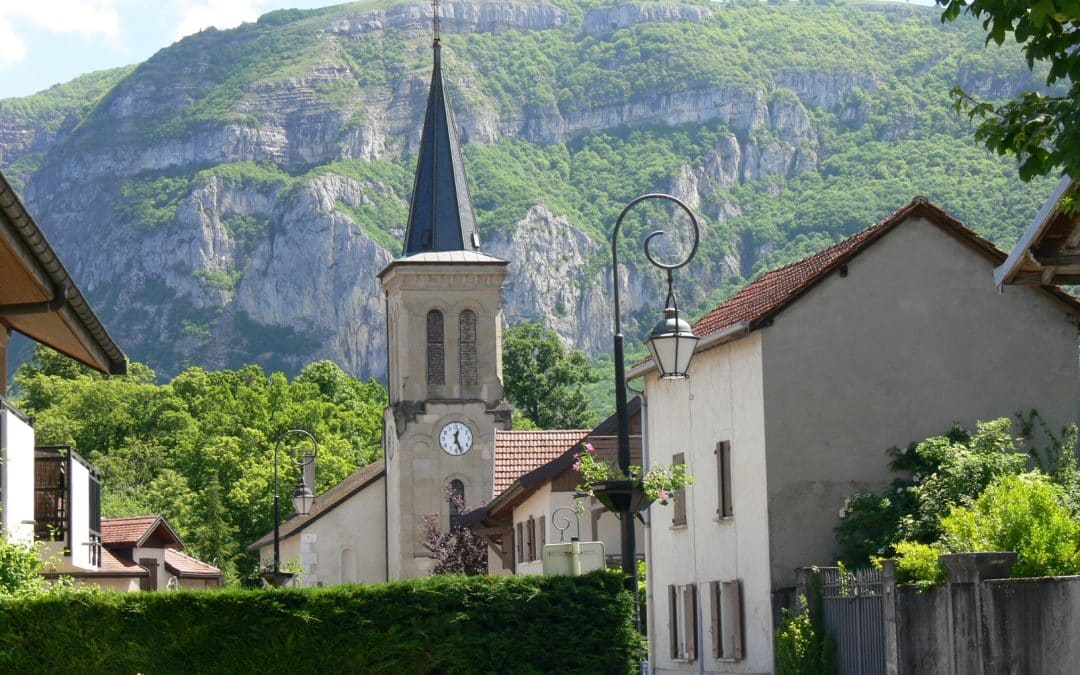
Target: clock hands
(457, 442)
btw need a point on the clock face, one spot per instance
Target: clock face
(455, 438)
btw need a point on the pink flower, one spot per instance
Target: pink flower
(589, 447)
(662, 495)
(577, 466)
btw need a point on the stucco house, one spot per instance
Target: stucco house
(329, 542)
(801, 383)
(535, 495)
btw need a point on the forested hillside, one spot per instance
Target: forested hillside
(230, 200)
(200, 448)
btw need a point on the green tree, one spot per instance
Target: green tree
(20, 568)
(943, 472)
(198, 449)
(1041, 129)
(543, 381)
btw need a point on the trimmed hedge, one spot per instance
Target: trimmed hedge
(441, 624)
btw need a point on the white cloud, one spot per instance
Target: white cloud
(80, 17)
(14, 49)
(222, 14)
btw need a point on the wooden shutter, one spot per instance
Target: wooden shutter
(530, 538)
(715, 628)
(543, 537)
(467, 347)
(723, 479)
(520, 542)
(732, 597)
(679, 516)
(436, 351)
(673, 621)
(690, 620)
(149, 583)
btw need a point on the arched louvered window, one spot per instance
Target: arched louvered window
(467, 346)
(436, 350)
(455, 494)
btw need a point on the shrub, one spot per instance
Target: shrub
(802, 645)
(1026, 514)
(435, 624)
(918, 564)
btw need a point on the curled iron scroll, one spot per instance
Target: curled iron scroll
(561, 521)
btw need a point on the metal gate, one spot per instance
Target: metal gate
(853, 609)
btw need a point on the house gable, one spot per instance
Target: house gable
(911, 338)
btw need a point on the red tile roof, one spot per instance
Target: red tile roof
(183, 565)
(116, 565)
(776, 289)
(519, 452)
(125, 531)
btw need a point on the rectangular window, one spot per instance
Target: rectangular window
(679, 513)
(725, 609)
(682, 617)
(723, 480)
(543, 538)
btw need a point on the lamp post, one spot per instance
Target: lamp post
(302, 497)
(671, 343)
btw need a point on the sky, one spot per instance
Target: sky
(46, 42)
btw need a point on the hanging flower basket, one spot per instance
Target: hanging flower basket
(277, 579)
(621, 495)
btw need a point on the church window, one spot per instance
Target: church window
(436, 352)
(456, 497)
(467, 346)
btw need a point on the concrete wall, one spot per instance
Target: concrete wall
(912, 340)
(986, 625)
(80, 515)
(722, 401)
(346, 545)
(17, 472)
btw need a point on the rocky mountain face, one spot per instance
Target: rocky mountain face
(232, 199)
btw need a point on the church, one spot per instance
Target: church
(444, 378)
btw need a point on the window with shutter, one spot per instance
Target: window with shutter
(456, 497)
(723, 480)
(436, 352)
(725, 605)
(467, 347)
(520, 542)
(679, 514)
(683, 621)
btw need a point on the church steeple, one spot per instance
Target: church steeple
(440, 214)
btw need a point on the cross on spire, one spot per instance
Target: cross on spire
(440, 212)
(435, 20)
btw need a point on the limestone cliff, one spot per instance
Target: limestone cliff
(232, 199)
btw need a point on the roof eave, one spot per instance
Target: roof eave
(1008, 270)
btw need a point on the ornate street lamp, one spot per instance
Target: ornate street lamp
(672, 345)
(302, 497)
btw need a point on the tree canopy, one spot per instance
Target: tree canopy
(199, 449)
(543, 381)
(1041, 128)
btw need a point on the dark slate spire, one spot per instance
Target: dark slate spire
(440, 215)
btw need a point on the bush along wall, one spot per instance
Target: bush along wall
(442, 624)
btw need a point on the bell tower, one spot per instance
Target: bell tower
(444, 318)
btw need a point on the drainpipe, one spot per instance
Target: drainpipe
(386, 460)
